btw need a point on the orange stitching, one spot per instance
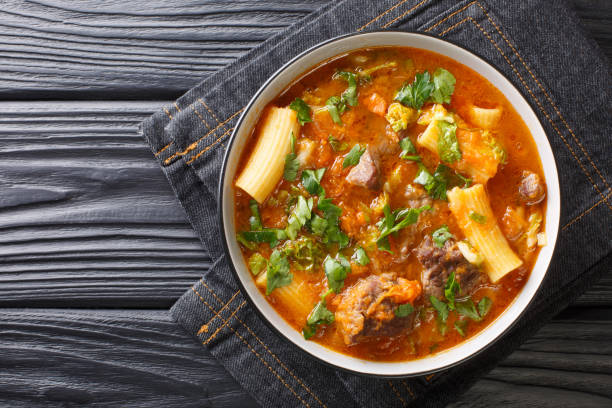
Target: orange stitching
(224, 306)
(177, 107)
(168, 113)
(267, 349)
(538, 103)
(585, 212)
(408, 389)
(200, 116)
(211, 337)
(253, 351)
(163, 148)
(454, 26)
(195, 144)
(429, 377)
(381, 14)
(449, 16)
(397, 393)
(545, 93)
(210, 146)
(209, 111)
(404, 14)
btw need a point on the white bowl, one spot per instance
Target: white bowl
(272, 88)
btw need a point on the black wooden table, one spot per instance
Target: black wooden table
(94, 247)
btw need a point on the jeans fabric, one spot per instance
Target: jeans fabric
(537, 44)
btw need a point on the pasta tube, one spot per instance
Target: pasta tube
(473, 213)
(265, 166)
(298, 297)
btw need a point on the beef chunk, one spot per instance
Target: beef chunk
(438, 263)
(367, 308)
(531, 189)
(365, 173)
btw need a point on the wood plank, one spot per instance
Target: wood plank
(154, 48)
(140, 358)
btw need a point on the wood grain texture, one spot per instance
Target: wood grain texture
(139, 358)
(136, 49)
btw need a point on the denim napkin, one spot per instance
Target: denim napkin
(539, 46)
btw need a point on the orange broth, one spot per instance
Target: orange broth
(362, 126)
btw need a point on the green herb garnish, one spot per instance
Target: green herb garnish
(255, 218)
(408, 150)
(467, 308)
(311, 180)
(460, 326)
(444, 86)
(353, 156)
(335, 107)
(442, 179)
(302, 212)
(441, 308)
(395, 221)
(319, 315)
(336, 271)
(302, 109)
(292, 164)
(269, 235)
(479, 218)
(336, 145)
(448, 146)
(415, 94)
(484, 306)
(257, 263)
(349, 96)
(441, 235)
(451, 289)
(332, 233)
(278, 273)
(360, 257)
(404, 310)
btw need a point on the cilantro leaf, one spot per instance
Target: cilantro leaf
(393, 222)
(245, 243)
(484, 306)
(448, 146)
(257, 263)
(442, 179)
(441, 235)
(467, 308)
(255, 219)
(319, 315)
(302, 212)
(292, 164)
(479, 218)
(336, 271)
(336, 145)
(440, 307)
(404, 310)
(302, 109)
(353, 156)
(451, 289)
(360, 257)
(332, 213)
(335, 107)
(318, 225)
(415, 94)
(408, 150)
(278, 274)
(311, 179)
(460, 326)
(349, 96)
(444, 86)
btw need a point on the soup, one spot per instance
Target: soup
(390, 203)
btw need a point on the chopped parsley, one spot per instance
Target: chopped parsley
(304, 252)
(444, 86)
(292, 164)
(336, 145)
(484, 306)
(404, 310)
(395, 221)
(302, 212)
(461, 326)
(479, 218)
(409, 152)
(451, 289)
(257, 263)
(448, 146)
(441, 235)
(269, 235)
(360, 257)
(331, 233)
(311, 179)
(441, 308)
(302, 109)
(353, 156)
(278, 274)
(255, 218)
(349, 96)
(336, 270)
(415, 94)
(466, 308)
(335, 107)
(442, 179)
(319, 315)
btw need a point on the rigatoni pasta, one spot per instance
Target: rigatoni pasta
(473, 213)
(265, 165)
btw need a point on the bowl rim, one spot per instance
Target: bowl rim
(226, 251)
